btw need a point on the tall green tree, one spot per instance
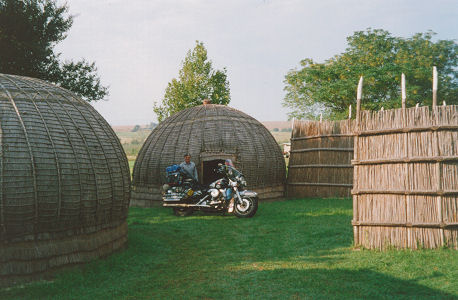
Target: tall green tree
(330, 87)
(197, 80)
(29, 31)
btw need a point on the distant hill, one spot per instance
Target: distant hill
(123, 128)
(277, 124)
(268, 124)
(129, 128)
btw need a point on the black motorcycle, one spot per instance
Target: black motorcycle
(226, 194)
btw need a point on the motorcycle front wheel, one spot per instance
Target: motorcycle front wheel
(247, 208)
(182, 211)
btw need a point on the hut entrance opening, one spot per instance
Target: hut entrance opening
(208, 170)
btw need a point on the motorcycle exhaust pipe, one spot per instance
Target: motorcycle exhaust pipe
(183, 205)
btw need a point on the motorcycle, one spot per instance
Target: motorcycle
(226, 194)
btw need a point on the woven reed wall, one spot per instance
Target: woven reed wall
(64, 180)
(209, 132)
(320, 160)
(406, 178)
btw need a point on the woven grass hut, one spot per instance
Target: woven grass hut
(64, 181)
(405, 192)
(210, 133)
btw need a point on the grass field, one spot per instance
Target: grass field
(296, 249)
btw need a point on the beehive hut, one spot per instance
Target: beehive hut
(320, 161)
(64, 181)
(210, 133)
(405, 192)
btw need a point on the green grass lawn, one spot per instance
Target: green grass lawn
(296, 249)
(131, 165)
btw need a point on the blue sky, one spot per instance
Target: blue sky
(138, 45)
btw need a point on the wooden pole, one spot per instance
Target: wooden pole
(443, 103)
(403, 90)
(321, 117)
(434, 86)
(359, 93)
(406, 149)
(349, 112)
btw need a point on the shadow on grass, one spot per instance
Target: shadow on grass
(326, 284)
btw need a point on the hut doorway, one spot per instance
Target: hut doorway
(209, 162)
(208, 170)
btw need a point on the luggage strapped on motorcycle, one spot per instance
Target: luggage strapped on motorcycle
(174, 175)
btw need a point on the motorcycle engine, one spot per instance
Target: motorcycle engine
(175, 193)
(214, 193)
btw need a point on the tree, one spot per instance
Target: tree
(330, 87)
(196, 81)
(29, 31)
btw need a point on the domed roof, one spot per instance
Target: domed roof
(211, 132)
(62, 168)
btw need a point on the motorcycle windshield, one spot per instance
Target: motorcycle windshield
(233, 173)
(229, 163)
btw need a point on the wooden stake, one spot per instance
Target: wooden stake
(443, 103)
(434, 86)
(358, 98)
(403, 90)
(321, 117)
(359, 93)
(382, 109)
(349, 112)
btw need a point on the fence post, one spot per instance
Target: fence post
(358, 100)
(403, 90)
(406, 166)
(359, 93)
(434, 86)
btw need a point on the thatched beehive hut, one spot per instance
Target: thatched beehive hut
(405, 191)
(64, 180)
(210, 133)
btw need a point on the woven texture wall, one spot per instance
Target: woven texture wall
(406, 178)
(64, 180)
(320, 160)
(209, 132)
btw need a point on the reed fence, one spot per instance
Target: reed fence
(405, 192)
(320, 160)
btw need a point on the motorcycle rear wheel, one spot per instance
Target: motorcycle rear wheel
(182, 211)
(247, 209)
